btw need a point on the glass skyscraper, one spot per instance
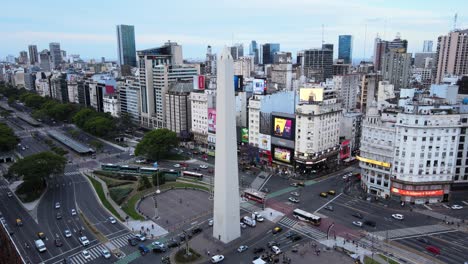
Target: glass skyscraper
(345, 48)
(126, 45)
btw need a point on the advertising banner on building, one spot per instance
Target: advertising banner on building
(238, 83)
(264, 142)
(283, 127)
(417, 193)
(345, 150)
(310, 95)
(259, 86)
(282, 154)
(245, 135)
(212, 120)
(199, 82)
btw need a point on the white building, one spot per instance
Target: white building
(199, 104)
(111, 105)
(347, 88)
(385, 91)
(351, 128)
(243, 66)
(130, 98)
(281, 76)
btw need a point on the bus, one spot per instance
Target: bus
(132, 169)
(148, 170)
(190, 174)
(255, 195)
(110, 167)
(307, 217)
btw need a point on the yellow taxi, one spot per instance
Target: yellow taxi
(331, 192)
(323, 194)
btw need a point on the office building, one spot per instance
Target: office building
(126, 45)
(110, 104)
(55, 55)
(318, 63)
(369, 84)
(427, 46)
(268, 51)
(452, 54)
(237, 51)
(210, 62)
(282, 57)
(130, 99)
(253, 51)
(381, 47)
(243, 66)
(23, 57)
(45, 60)
(178, 115)
(33, 55)
(396, 68)
(425, 60)
(58, 87)
(351, 128)
(345, 48)
(347, 88)
(281, 76)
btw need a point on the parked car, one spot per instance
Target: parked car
(217, 258)
(293, 200)
(398, 216)
(258, 250)
(456, 207)
(357, 215)
(295, 194)
(242, 248)
(357, 223)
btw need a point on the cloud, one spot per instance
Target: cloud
(55, 36)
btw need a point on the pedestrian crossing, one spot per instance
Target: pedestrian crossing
(94, 252)
(69, 173)
(303, 228)
(411, 231)
(122, 240)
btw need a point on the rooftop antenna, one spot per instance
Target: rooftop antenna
(455, 18)
(365, 40)
(323, 41)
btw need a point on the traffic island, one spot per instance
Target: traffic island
(181, 256)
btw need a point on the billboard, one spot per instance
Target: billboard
(375, 162)
(264, 142)
(345, 150)
(282, 154)
(238, 83)
(245, 135)
(283, 127)
(212, 120)
(418, 193)
(310, 95)
(199, 82)
(259, 86)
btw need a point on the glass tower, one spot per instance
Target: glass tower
(345, 48)
(126, 45)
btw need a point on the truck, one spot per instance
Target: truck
(40, 245)
(249, 221)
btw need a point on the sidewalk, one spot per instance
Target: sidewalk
(152, 230)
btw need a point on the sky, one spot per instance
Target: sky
(87, 27)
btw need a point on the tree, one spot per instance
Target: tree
(156, 144)
(33, 100)
(155, 176)
(8, 139)
(124, 122)
(144, 183)
(98, 145)
(82, 116)
(99, 126)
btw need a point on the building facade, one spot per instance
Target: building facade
(55, 55)
(33, 55)
(126, 45)
(345, 48)
(452, 54)
(396, 68)
(178, 115)
(318, 63)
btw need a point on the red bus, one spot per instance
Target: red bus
(255, 195)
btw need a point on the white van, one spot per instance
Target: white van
(40, 245)
(249, 221)
(276, 250)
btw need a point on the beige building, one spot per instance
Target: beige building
(452, 54)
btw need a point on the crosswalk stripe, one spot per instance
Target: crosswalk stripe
(465, 202)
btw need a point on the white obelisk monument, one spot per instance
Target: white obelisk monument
(226, 211)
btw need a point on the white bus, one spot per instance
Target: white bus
(190, 174)
(307, 217)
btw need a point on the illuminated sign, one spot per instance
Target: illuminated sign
(212, 120)
(259, 86)
(283, 127)
(375, 162)
(418, 193)
(310, 95)
(282, 154)
(345, 150)
(245, 135)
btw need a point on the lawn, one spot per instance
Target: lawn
(97, 186)
(390, 261)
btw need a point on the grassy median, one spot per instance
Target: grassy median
(98, 187)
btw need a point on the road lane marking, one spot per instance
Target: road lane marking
(427, 207)
(446, 206)
(465, 202)
(421, 235)
(327, 203)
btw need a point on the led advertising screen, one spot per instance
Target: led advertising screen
(283, 127)
(345, 150)
(258, 86)
(282, 154)
(264, 142)
(238, 83)
(212, 120)
(310, 95)
(199, 82)
(245, 135)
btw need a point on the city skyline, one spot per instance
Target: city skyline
(197, 26)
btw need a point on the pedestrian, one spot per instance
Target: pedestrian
(208, 253)
(152, 226)
(271, 213)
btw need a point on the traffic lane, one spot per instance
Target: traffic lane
(33, 146)
(26, 234)
(449, 252)
(457, 213)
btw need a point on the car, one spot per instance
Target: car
(243, 225)
(423, 240)
(59, 215)
(132, 241)
(242, 248)
(210, 222)
(57, 205)
(398, 216)
(258, 250)
(182, 237)
(323, 194)
(177, 165)
(10, 194)
(41, 235)
(112, 220)
(277, 229)
(73, 212)
(294, 184)
(301, 184)
(272, 243)
(86, 254)
(106, 253)
(296, 238)
(456, 207)
(370, 223)
(295, 194)
(158, 244)
(258, 217)
(329, 208)
(276, 250)
(67, 233)
(290, 234)
(196, 230)
(140, 237)
(58, 242)
(357, 223)
(84, 241)
(19, 222)
(203, 167)
(143, 249)
(217, 258)
(293, 200)
(345, 177)
(358, 215)
(140, 161)
(159, 250)
(331, 192)
(173, 244)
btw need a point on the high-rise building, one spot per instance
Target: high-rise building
(345, 48)
(369, 84)
(347, 87)
(126, 45)
(23, 57)
(210, 63)
(226, 210)
(33, 55)
(427, 47)
(396, 68)
(129, 98)
(268, 51)
(55, 55)
(452, 54)
(318, 63)
(243, 66)
(178, 115)
(45, 60)
(253, 50)
(382, 46)
(237, 51)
